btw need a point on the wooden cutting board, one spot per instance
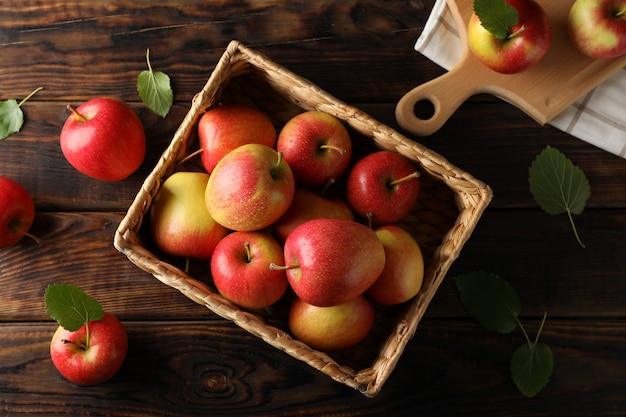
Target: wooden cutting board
(561, 77)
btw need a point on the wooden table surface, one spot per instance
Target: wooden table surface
(183, 360)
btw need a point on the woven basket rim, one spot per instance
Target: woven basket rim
(472, 197)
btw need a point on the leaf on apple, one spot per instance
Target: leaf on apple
(497, 16)
(12, 116)
(558, 186)
(71, 307)
(155, 90)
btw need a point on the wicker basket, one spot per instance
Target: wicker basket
(450, 204)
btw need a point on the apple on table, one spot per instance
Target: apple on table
(104, 139)
(180, 223)
(90, 345)
(509, 36)
(317, 147)
(17, 214)
(597, 28)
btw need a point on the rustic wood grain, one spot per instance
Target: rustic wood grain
(186, 361)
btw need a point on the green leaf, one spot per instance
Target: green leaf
(557, 185)
(490, 300)
(531, 367)
(71, 307)
(497, 16)
(155, 90)
(11, 116)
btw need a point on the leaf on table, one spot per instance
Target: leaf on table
(71, 307)
(12, 116)
(490, 300)
(155, 89)
(531, 367)
(496, 16)
(557, 185)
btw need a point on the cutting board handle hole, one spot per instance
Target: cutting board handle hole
(424, 109)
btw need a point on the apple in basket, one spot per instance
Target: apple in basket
(104, 139)
(382, 187)
(241, 272)
(18, 212)
(180, 223)
(403, 274)
(597, 28)
(510, 38)
(317, 147)
(250, 188)
(308, 205)
(224, 128)
(332, 261)
(331, 328)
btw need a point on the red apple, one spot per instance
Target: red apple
(17, 214)
(523, 45)
(180, 223)
(597, 28)
(307, 205)
(403, 274)
(93, 356)
(317, 147)
(224, 128)
(250, 188)
(382, 187)
(331, 328)
(332, 261)
(104, 139)
(241, 272)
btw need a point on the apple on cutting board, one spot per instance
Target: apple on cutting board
(597, 28)
(509, 36)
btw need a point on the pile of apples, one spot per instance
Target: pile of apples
(596, 28)
(260, 214)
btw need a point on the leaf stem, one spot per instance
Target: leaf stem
(545, 314)
(86, 335)
(521, 326)
(29, 96)
(148, 59)
(571, 220)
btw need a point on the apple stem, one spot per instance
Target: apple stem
(370, 219)
(83, 346)
(275, 267)
(403, 179)
(278, 161)
(25, 233)
(621, 12)
(330, 182)
(191, 155)
(76, 113)
(517, 32)
(333, 148)
(29, 96)
(248, 252)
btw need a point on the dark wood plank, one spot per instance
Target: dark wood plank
(192, 368)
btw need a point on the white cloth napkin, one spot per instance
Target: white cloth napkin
(598, 118)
